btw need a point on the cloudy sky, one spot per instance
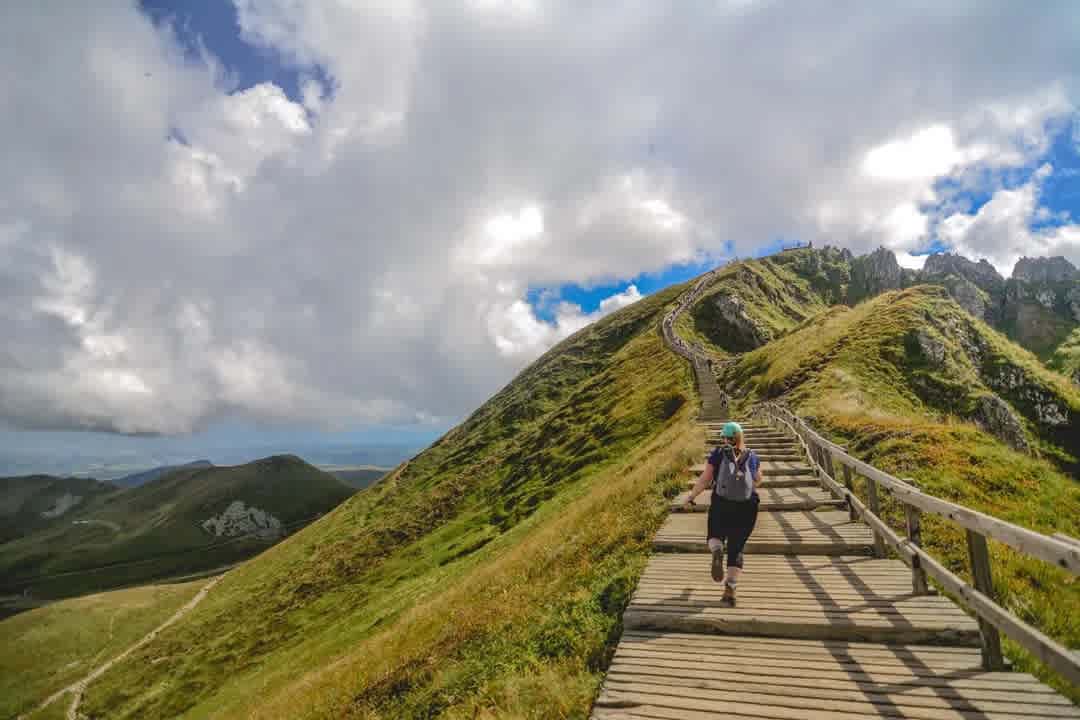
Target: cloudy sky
(370, 215)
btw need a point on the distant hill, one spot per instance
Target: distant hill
(187, 520)
(359, 477)
(30, 502)
(753, 303)
(136, 479)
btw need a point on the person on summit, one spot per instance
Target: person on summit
(732, 472)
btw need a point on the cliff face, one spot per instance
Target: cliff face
(873, 274)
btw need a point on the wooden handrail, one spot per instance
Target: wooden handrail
(1054, 550)
(1059, 550)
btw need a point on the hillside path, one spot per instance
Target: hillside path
(78, 687)
(822, 628)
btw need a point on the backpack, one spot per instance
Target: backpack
(732, 481)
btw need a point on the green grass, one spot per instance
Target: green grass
(154, 530)
(485, 577)
(1066, 357)
(856, 375)
(51, 647)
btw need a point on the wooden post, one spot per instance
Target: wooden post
(914, 533)
(979, 555)
(875, 507)
(829, 463)
(850, 485)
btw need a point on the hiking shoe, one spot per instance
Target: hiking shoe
(729, 596)
(718, 565)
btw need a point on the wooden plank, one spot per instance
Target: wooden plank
(821, 533)
(914, 531)
(979, 556)
(819, 598)
(774, 481)
(1050, 549)
(770, 468)
(875, 508)
(771, 498)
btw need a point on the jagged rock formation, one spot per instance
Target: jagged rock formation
(1044, 270)
(745, 334)
(237, 519)
(873, 274)
(996, 417)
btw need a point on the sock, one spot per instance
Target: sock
(715, 544)
(732, 578)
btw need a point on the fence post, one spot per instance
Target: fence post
(979, 555)
(875, 507)
(914, 533)
(850, 485)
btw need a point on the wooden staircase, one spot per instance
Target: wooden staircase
(822, 629)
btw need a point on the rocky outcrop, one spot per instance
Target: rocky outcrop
(61, 505)
(931, 347)
(1044, 271)
(745, 333)
(981, 274)
(1014, 382)
(237, 519)
(996, 417)
(874, 274)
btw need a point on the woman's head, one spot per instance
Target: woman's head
(733, 433)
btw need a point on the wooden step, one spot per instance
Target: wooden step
(771, 456)
(828, 532)
(774, 481)
(693, 677)
(816, 598)
(782, 467)
(772, 498)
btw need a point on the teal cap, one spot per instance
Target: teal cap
(731, 429)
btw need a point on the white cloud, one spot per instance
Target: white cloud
(1000, 230)
(518, 333)
(171, 252)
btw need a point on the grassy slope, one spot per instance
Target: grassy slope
(157, 526)
(1066, 358)
(51, 647)
(23, 499)
(484, 577)
(854, 374)
(778, 292)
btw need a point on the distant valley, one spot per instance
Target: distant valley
(69, 536)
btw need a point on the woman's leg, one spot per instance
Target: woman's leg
(737, 540)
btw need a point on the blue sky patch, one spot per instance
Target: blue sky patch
(212, 25)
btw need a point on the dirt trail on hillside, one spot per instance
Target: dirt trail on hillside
(78, 687)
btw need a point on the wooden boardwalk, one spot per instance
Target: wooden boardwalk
(821, 630)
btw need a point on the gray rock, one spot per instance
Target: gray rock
(1073, 299)
(237, 519)
(1014, 382)
(969, 296)
(1044, 270)
(996, 417)
(982, 273)
(747, 333)
(873, 274)
(931, 346)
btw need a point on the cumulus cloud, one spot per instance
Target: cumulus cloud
(174, 251)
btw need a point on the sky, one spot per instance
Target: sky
(348, 222)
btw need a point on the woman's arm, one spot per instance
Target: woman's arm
(704, 480)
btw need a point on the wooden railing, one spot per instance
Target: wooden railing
(1059, 550)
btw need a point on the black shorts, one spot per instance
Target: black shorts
(733, 521)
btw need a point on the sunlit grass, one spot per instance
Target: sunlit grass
(51, 647)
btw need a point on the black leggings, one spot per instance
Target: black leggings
(733, 521)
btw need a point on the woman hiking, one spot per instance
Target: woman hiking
(732, 472)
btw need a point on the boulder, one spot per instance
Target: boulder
(999, 419)
(744, 332)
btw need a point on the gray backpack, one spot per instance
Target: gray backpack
(732, 481)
